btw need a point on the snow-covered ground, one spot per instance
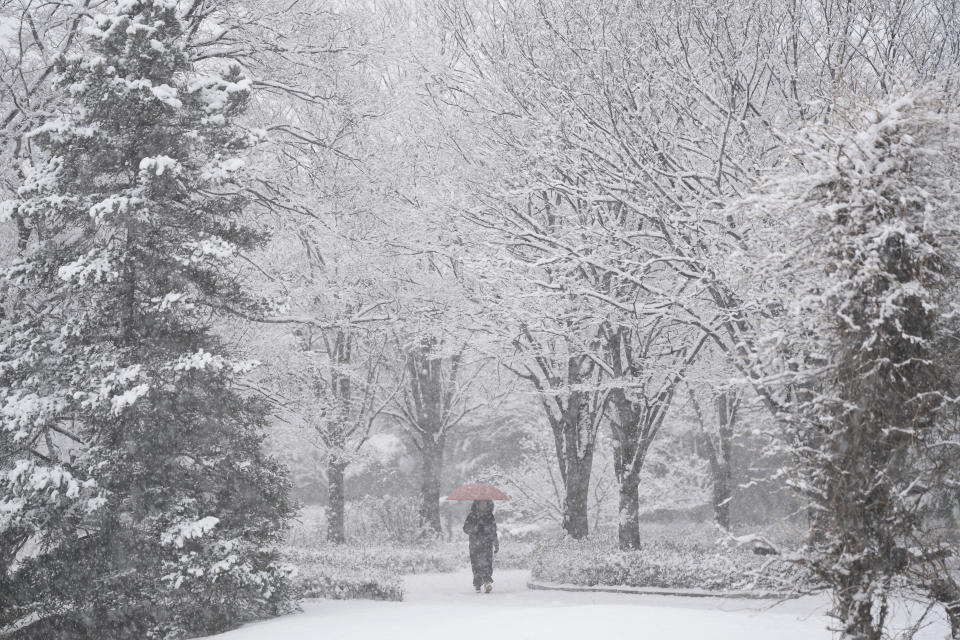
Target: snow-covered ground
(444, 606)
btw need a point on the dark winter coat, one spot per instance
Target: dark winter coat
(481, 526)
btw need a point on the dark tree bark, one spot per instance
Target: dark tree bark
(946, 591)
(24, 231)
(723, 471)
(718, 448)
(336, 529)
(577, 468)
(340, 350)
(721, 497)
(628, 528)
(347, 393)
(432, 467)
(432, 404)
(574, 415)
(638, 411)
(953, 612)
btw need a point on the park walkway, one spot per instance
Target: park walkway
(444, 607)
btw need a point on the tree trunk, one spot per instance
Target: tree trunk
(429, 408)
(817, 526)
(723, 459)
(629, 521)
(128, 292)
(856, 616)
(953, 613)
(430, 486)
(23, 232)
(576, 495)
(947, 592)
(722, 491)
(720, 474)
(721, 498)
(336, 531)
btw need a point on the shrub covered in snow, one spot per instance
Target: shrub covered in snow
(394, 560)
(370, 520)
(663, 563)
(339, 574)
(375, 571)
(384, 519)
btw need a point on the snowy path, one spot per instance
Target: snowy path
(444, 606)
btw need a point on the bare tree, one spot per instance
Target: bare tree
(716, 431)
(642, 388)
(349, 391)
(565, 378)
(436, 397)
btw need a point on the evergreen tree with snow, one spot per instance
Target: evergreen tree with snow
(863, 240)
(135, 498)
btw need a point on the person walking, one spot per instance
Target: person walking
(481, 527)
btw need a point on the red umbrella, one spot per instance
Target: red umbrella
(477, 491)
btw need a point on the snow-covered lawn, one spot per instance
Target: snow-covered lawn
(444, 606)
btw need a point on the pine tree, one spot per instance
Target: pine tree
(134, 480)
